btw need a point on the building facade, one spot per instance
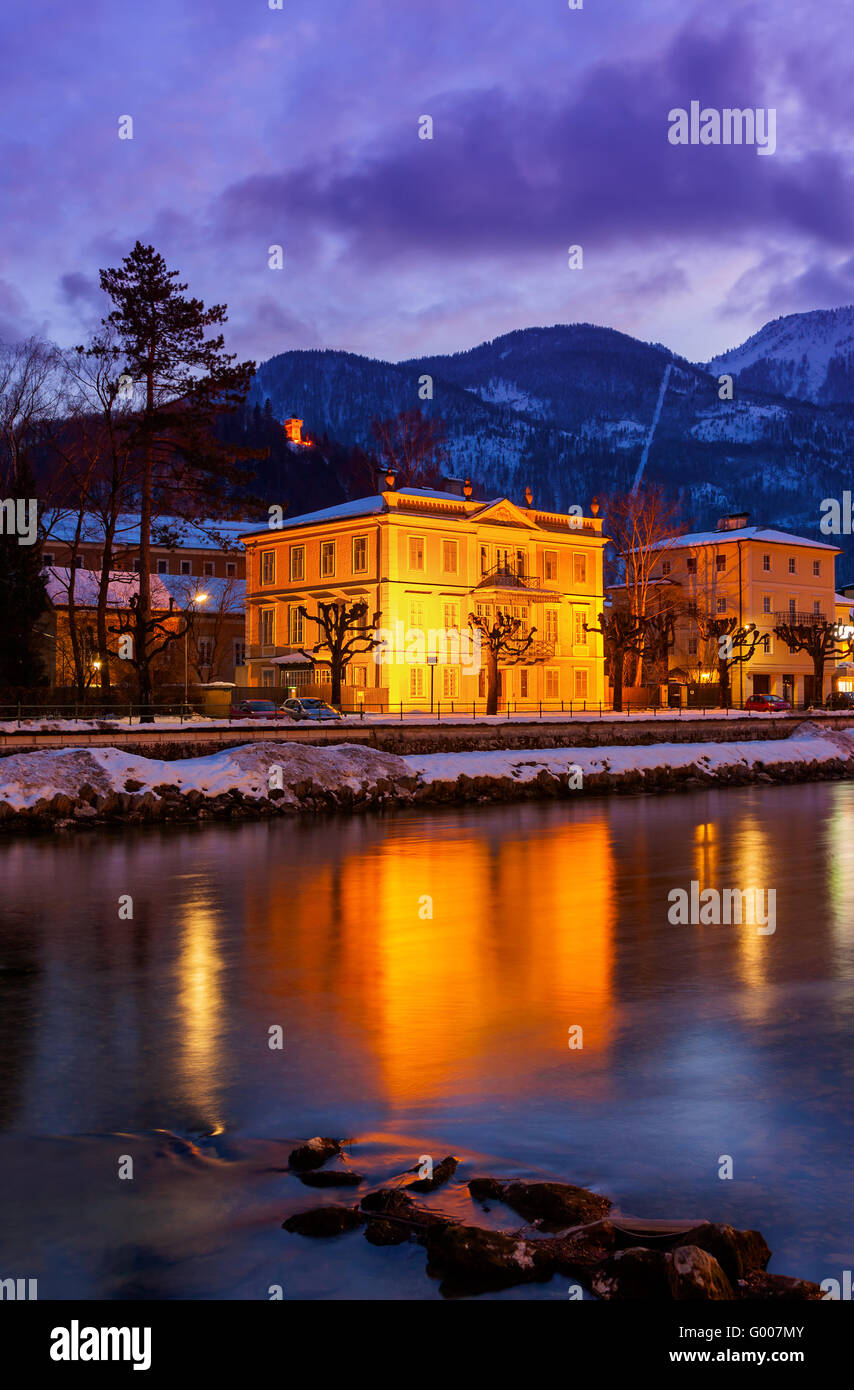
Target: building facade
(757, 575)
(424, 560)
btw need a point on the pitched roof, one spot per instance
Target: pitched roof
(183, 534)
(58, 583)
(744, 533)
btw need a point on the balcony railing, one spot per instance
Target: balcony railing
(798, 618)
(508, 577)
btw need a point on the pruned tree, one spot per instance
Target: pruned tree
(820, 640)
(623, 634)
(342, 632)
(734, 645)
(505, 643)
(639, 525)
(183, 380)
(413, 445)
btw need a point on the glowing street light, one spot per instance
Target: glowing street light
(197, 599)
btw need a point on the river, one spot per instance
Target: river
(425, 970)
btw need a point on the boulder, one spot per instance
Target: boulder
(632, 1275)
(470, 1260)
(331, 1177)
(441, 1173)
(737, 1252)
(695, 1275)
(553, 1205)
(313, 1154)
(324, 1221)
(759, 1284)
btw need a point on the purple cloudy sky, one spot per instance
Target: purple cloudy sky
(299, 127)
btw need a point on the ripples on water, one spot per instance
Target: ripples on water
(420, 1034)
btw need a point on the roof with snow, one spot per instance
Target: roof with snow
(172, 531)
(744, 533)
(226, 595)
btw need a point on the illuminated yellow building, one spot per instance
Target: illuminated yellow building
(425, 560)
(758, 575)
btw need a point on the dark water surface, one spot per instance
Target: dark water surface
(149, 1037)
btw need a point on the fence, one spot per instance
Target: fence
(112, 714)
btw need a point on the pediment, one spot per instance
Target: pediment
(504, 513)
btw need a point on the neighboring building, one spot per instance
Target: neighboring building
(425, 560)
(293, 430)
(199, 550)
(758, 575)
(214, 643)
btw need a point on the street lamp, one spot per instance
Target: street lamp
(200, 599)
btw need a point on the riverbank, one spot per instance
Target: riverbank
(65, 789)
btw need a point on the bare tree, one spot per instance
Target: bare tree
(820, 639)
(505, 643)
(624, 634)
(343, 633)
(413, 445)
(733, 645)
(639, 525)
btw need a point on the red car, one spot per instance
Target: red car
(768, 704)
(256, 709)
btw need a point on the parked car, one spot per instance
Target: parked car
(255, 709)
(310, 709)
(769, 704)
(840, 699)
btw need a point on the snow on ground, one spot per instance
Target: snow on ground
(809, 744)
(27, 777)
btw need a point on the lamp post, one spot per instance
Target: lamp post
(199, 599)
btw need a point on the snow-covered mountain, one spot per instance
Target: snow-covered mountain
(568, 410)
(807, 356)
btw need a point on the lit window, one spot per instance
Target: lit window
(327, 559)
(360, 676)
(579, 617)
(268, 678)
(449, 557)
(523, 684)
(297, 570)
(579, 568)
(416, 682)
(416, 553)
(296, 626)
(360, 555)
(580, 685)
(266, 626)
(550, 565)
(416, 614)
(450, 683)
(452, 618)
(551, 625)
(268, 566)
(552, 683)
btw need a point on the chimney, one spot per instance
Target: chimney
(734, 522)
(454, 485)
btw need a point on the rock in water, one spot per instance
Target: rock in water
(696, 1275)
(470, 1260)
(737, 1252)
(759, 1284)
(441, 1173)
(313, 1154)
(331, 1177)
(632, 1275)
(554, 1205)
(324, 1221)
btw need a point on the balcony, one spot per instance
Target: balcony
(784, 616)
(508, 577)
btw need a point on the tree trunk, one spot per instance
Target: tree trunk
(617, 661)
(337, 674)
(818, 668)
(105, 679)
(143, 612)
(724, 682)
(492, 681)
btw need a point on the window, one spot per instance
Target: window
(580, 685)
(416, 553)
(552, 683)
(240, 652)
(359, 676)
(230, 569)
(720, 563)
(416, 614)
(793, 607)
(520, 563)
(484, 559)
(816, 568)
(296, 626)
(692, 646)
(579, 569)
(266, 626)
(449, 557)
(327, 559)
(47, 557)
(766, 603)
(185, 567)
(816, 608)
(450, 683)
(268, 677)
(297, 563)
(551, 625)
(162, 566)
(692, 564)
(721, 605)
(579, 618)
(523, 683)
(360, 555)
(792, 565)
(766, 563)
(692, 610)
(416, 682)
(208, 569)
(452, 617)
(665, 568)
(482, 683)
(268, 566)
(205, 650)
(550, 565)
